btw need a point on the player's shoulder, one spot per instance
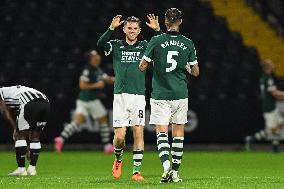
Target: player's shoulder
(86, 70)
(114, 41)
(158, 38)
(143, 43)
(87, 67)
(187, 39)
(268, 76)
(117, 43)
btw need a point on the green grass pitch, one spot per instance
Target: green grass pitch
(199, 170)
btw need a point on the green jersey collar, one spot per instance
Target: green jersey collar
(134, 45)
(173, 32)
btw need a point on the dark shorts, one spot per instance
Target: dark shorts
(34, 115)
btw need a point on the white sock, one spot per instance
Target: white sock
(175, 174)
(166, 165)
(21, 169)
(31, 167)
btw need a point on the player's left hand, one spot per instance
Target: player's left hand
(153, 22)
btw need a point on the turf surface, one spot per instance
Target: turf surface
(199, 170)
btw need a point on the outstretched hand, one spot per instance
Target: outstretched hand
(153, 22)
(116, 22)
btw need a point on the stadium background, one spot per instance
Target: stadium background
(42, 45)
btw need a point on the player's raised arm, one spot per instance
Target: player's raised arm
(116, 22)
(153, 22)
(6, 114)
(103, 41)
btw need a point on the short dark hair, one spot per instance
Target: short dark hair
(173, 15)
(132, 19)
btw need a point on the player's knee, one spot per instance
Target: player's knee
(102, 120)
(79, 119)
(139, 137)
(120, 136)
(178, 130)
(161, 128)
(34, 136)
(21, 135)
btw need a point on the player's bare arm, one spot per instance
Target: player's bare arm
(153, 22)
(6, 113)
(84, 85)
(116, 22)
(195, 70)
(143, 65)
(279, 95)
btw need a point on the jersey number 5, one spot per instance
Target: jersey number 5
(171, 60)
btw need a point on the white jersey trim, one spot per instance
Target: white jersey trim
(110, 50)
(147, 58)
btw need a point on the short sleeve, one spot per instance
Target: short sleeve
(148, 55)
(85, 76)
(192, 59)
(270, 85)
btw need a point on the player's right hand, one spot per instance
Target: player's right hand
(116, 22)
(143, 65)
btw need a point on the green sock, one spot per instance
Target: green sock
(118, 154)
(177, 152)
(137, 160)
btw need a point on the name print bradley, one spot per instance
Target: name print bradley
(174, 43)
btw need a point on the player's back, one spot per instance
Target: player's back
(17, 95)
(170, 54)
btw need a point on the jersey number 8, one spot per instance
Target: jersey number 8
(171, 60)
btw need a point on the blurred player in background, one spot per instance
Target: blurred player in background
(273, 120)
(172, 55)
(92, 81)
(32, 109)
(129, 88)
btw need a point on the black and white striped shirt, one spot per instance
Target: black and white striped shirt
(16, 97)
